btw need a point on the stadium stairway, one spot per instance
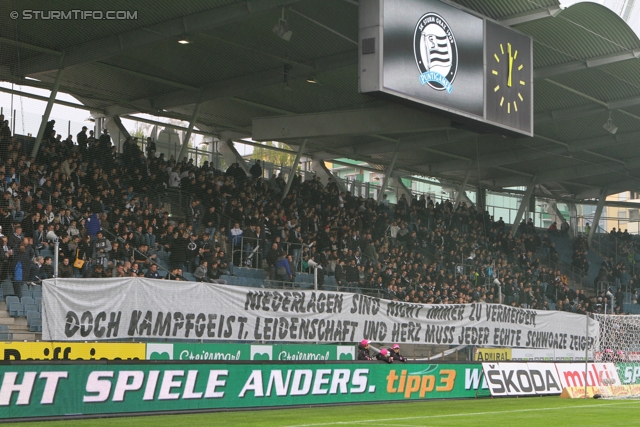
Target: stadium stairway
(17, 326)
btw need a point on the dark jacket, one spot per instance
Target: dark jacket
(65, 271)
(272, 256)
(363, 353)
(397, 356)
(282, 266)
(179, 250)
(384, 357)
(339, 273)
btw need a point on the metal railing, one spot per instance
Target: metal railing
(618, 250)
(608, 289)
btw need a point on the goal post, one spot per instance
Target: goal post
(619, 343)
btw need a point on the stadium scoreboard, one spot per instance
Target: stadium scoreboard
(439, 55)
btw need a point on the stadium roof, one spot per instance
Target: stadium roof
(586, 67)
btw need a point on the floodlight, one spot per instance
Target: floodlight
(282, 29)
(609, 126)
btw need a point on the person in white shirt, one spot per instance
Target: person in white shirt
(174, 178)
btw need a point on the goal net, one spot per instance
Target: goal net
(619, 343)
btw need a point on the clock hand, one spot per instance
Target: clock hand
(510, 64)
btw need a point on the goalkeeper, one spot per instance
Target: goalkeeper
(394, 351)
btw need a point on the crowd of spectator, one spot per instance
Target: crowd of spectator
(101, 207)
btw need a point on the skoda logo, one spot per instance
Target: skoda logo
(436, 52)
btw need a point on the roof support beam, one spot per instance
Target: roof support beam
(575, 172)
(414, 142)
(598, 213)
(524, 203)
(241, 84)
(147, 76)
(569, 67)
(462, 189)
(585, 110)
(47, 112)
(388, 173)
(612, 188)
(621, 104)
(23, 45)
(44, 98)
(187, 137)
(139, 38)
(532, 15)
(527, 154)
(354, 122)
(294, 167)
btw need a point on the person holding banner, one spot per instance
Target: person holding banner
(395, 352)
(385, 356)
(363, 350)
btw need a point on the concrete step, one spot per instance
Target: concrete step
(7, 320)
(4, 313)
(20, 321)
(25, 336)
(19, 328)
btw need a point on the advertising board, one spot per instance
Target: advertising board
(522, 379)
(16, 351)
(575, 352)
(290, 352)
(85, 389)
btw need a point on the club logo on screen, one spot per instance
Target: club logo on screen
(436, 52)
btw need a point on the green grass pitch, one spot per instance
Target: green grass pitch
(520, 412)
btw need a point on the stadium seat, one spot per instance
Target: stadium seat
(16, 309)
(226, 278)
(4, 328)
(11, 299)
(31, 307)
(243, 281)
(38, 301)
(36, 288)
(27, 300)
(6, 336)
(189, 276)
(36, 325)
(25, 291)
(32, 314)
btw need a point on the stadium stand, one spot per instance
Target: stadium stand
(107, 211)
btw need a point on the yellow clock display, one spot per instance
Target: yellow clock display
(510, 71)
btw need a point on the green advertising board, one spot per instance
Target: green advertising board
(87, 389)
(286, 352)
(628, 372)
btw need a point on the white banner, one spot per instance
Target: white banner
(108, 309)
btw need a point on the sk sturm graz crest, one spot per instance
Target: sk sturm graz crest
(436, 52)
